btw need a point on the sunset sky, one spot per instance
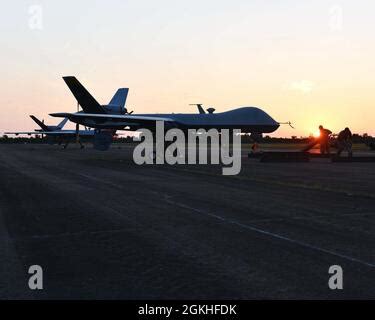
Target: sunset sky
(310, 62)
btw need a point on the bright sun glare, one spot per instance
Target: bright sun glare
(316, 134)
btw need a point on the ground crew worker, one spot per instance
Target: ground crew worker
(324, 140)
(344, 142)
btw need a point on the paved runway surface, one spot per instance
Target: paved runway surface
(103, 227)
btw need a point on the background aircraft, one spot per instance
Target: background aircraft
(56, 134)
(43, 128)
(48, 128)
(101, 138)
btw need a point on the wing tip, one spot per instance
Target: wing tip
(60, 114)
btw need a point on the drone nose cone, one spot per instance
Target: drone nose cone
(266, 118)
(273, 125)
(276, 126)
(270, 123)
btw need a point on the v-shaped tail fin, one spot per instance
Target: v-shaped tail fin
(40, 123)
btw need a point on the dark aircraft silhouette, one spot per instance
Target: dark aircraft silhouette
(56, 134)
(248, 119)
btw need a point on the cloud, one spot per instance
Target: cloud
(303, 86)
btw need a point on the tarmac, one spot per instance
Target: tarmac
(102, 227)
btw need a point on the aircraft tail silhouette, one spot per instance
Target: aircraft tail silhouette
(84, 98)
(119, 99)
(62, 123)
(40, 123)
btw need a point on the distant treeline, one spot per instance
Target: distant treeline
(365, 138)
(38, 139)
(357, 138)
